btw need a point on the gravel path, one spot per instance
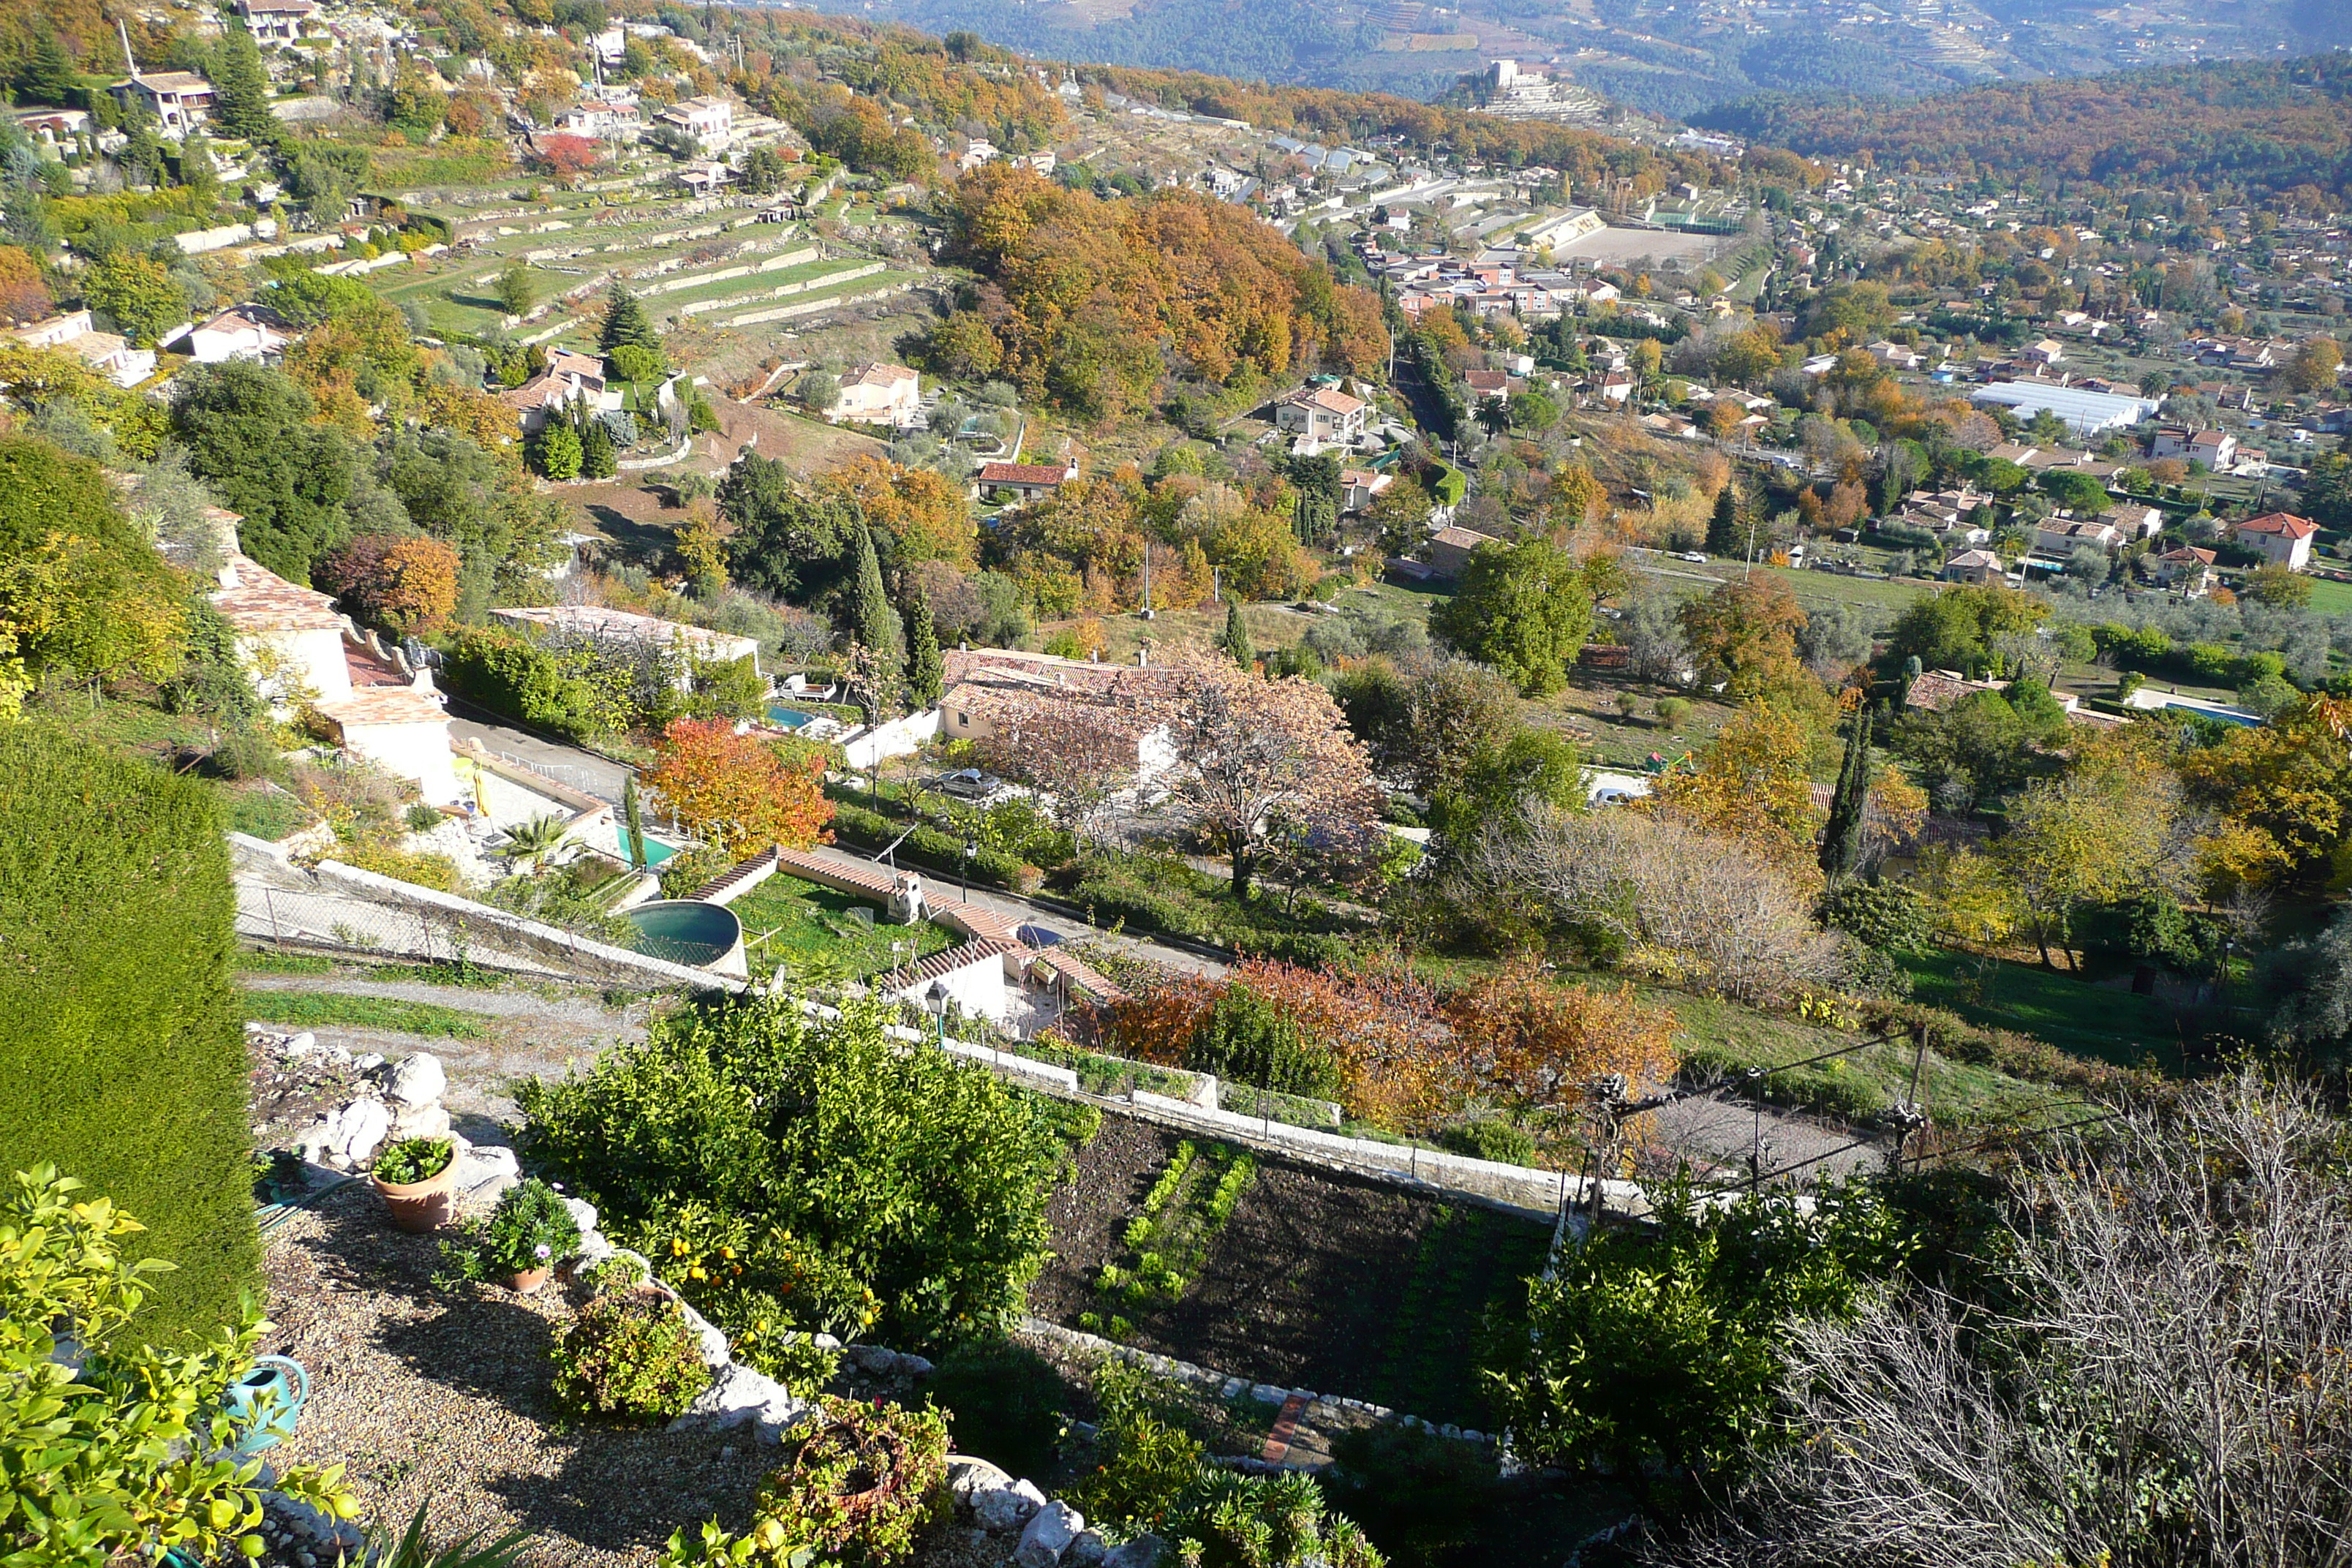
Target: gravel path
(445, 1399)
(538, 1031)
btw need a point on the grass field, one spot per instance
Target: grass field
(317, 1009)
(2330, 598)
(2101, 1021)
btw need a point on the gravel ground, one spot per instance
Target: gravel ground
(445, 1399)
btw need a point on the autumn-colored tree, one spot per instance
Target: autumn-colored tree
(2315, 364)
(925, 511)
(24, 297)
(1753, 781)
(402, 584)
(1526, 1040)
(2102, 831)
(1248, 749)
(1075, 758)
(736, 791)
(565, 156)
(1745, 635)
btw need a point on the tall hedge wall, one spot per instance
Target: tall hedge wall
(121, 1052)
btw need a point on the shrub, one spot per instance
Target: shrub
(630, 1353)
(563, 691)
(772, 1292)
(1006, 1402)
(414, 1159)
(921, 1177)
(1672, 711)
(102, 1447)
(1245, 1038)
(422, 819)
(123, 1050)
(1491, 1138)
(935, 851)
(1663, 1349)
(860, 1490)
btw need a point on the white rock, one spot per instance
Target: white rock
(583, 1213)
(417, 1079)
(301, 1044)
(1086, 1551)
(594, 1250)
(968, 1475)
(356, 1131)
(824, 1342)
(421, 1121)
(1233, 1388)
(1000, 1509)
(485, 1162)
(1266, 1394)
(366, 1064)
(739, 1397)
(1048, 1536)
(315, 1141)
(1143, 1551)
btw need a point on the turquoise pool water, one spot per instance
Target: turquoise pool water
(656, 850)
(684, 932)
(788, 717)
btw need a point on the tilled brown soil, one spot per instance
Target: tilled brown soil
(1319, 1280)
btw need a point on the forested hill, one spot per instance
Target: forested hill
(2260, 128)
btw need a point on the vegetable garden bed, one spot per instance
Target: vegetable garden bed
(1314, 1279)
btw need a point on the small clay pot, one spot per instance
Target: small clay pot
(529, 1279)
(420, 1206)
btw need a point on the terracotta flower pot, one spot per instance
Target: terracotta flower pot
(420, 1206)
(527, 1280)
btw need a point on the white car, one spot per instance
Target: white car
(1697, 557)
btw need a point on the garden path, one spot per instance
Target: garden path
(536, 1030)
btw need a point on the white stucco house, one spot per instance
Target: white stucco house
(108, 354)
(241, 333)
(710, 122)
(880, 395)
(1321, 415)
(2283, 538)
(627, 627)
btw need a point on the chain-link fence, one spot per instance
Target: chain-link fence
(325, 919)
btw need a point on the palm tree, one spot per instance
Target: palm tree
(534, 842)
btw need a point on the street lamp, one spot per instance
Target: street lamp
(971, 849)
(936, 1000)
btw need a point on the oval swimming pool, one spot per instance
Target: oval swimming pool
(685, 931)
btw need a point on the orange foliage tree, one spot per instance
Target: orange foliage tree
(924, 511)
(1410, 1058)
(1091, 302)
(401, 584)
(737, 791)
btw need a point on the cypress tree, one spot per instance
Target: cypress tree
(926, 671)
(1842, 838)
(598, 460)
(241, 88)
(1236, 640)
(875, 625)
(634, 815)
(626, 322)
(1727, 529)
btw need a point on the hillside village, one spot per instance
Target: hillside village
(778, 793)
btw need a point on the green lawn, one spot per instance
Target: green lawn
(2330, 598)
(2101, 1021)
(317, 1009)
(804, 926)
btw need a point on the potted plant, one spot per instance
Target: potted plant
(418, 1179)
(527, 1234)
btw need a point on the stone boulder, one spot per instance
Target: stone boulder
(416, 1080)
(739, 1397)
(1006, 1507)
(420, 1121)
(967, 1474)
(350, 1136)
(1047, 1535)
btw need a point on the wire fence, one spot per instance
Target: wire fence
(317, 920)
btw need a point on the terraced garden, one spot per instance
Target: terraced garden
(1283, 1273)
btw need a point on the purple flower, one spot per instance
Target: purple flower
(543, 1251)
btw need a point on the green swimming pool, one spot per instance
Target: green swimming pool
(685, 931)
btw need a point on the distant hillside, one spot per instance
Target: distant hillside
(2256, 127)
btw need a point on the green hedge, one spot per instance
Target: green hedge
(933, 850)
(123, 1061)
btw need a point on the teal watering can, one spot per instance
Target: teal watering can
(261, 1408)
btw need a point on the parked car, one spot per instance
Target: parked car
(1697, 556)
(968, 784)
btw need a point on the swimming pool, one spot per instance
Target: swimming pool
(788, 717)
(656, 850)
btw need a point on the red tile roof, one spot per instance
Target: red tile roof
(2286, 525)
(1023, 474)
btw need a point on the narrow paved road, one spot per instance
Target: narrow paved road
(600, 776)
